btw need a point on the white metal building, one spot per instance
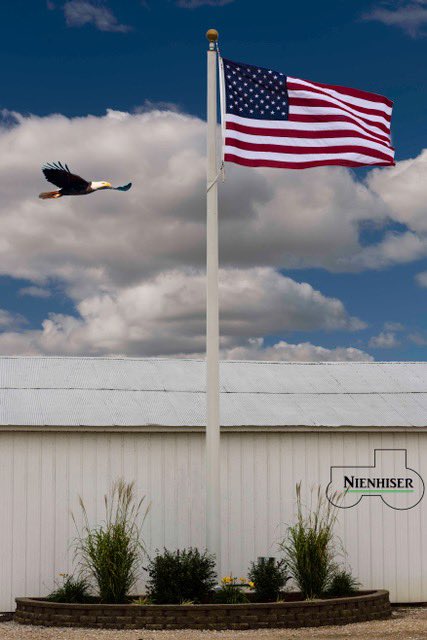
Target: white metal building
(70, 426)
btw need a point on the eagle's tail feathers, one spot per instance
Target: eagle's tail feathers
(50, 194)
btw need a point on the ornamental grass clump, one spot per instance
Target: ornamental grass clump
(111, 553)
(309, 546)
(268, 576)
(72, 590)
(342, 584)
(175, 577)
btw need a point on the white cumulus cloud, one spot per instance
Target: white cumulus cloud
(421, 278)
(9, 320)
(302, 352)
(165, 315)
(34, 292)
(393, 326)
(267, 218)
(384, 340)
(133, 263)
(404, 189)
(81, 12)
(410, 16)
(418, 339)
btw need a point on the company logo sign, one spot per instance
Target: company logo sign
(398, 485)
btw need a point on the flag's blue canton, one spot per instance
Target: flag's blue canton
(255, 92)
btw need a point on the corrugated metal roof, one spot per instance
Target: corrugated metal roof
(53, 391)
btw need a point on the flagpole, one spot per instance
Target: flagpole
(213, 506)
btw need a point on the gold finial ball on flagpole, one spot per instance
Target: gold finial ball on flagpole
(212, 35)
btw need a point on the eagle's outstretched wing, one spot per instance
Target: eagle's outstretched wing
(61, 176)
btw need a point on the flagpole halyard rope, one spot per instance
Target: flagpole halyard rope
(220, 174)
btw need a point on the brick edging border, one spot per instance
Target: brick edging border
(370, 605)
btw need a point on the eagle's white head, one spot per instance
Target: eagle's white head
(96, 186)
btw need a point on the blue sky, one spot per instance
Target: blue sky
(83, 56)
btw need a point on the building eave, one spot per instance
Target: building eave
(256, 429)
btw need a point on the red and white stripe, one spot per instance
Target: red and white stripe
(327, 125)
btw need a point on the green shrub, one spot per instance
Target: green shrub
(111, 554)
(179, 576)
(230, 591)
(73, 590)
(309, 548)
(342, 584)
(269, 576)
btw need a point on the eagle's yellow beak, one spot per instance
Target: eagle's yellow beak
(108, 184)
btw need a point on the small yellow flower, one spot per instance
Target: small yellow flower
(242, 579)
(227, 579)
(251, 584)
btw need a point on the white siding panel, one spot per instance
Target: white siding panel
(19, 517)
(7, 503)
(42, 475)
(249, 477)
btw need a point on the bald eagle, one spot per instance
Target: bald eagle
(70, 184)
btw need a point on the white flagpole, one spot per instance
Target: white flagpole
(213, 505)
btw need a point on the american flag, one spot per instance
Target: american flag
(273, 120)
